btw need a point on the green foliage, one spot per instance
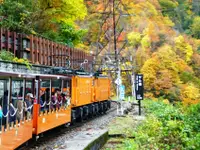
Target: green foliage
(71, 35)
(8, 56)
(187, 77)
(168, 127)
(54, 19)
(184, 14)
(15, 16)
(168, 4)
(195, 28)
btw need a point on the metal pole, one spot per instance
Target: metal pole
(133, 85)
(50, 93)
(139, 107)
(114, 30)
(9, 99)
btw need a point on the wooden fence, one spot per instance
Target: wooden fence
(42, 51)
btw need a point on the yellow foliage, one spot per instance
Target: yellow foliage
(168, 22)
(182, 66)
(183, 48)
(166, 101)
(161, 71)
(141, 56)
(134, 38)
(148, 8)
(190, 94)
(149, 70)
(145, 42)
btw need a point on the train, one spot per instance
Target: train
(32, 104)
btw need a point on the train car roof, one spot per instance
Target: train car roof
(26, 75)
(53, 76)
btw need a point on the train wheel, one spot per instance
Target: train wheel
(102, 108)
(80, 116)
(109, 104)
(105, 107)
(93, 110)
(85, 112)
(97, 109)
(73, 117)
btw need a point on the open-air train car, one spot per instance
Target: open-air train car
(19, 121)
(56, 100)
(15, 129)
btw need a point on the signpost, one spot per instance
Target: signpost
(139, 90)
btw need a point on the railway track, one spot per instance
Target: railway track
(54, 138)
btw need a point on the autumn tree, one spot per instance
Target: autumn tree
(54, 19)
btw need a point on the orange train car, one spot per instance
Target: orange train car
(81, 94)
(14, 131)
(87, 98)
(45, 115)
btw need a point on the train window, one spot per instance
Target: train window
(17, 88)
(29, 87)
(45, 84)
(66, 87)
(56, 84)
(66, 84)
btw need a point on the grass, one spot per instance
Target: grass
(124, 126)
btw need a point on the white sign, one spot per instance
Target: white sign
(118, 81)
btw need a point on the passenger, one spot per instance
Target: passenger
(28, 90)
(1, 116)
(57, 98)
(5, 106)
(42, 107)
(47, 97)
(20, 108)
(28, 103)
(64, 99)
(12, 112)
(68, 98)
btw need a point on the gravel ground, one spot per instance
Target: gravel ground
(54, 139)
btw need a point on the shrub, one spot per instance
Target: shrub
(168, 127)
(8, 56)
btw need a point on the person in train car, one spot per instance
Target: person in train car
(46, 97)
(64, 99)
(42, 106)
(28, 103)
(12, 112)
(5, 106)
(1, 116)
(56, 98)
(1, 113)
(20, 109)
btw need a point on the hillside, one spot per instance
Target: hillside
(163, 40)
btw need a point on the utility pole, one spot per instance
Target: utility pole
(114, 31)
(117, 62)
